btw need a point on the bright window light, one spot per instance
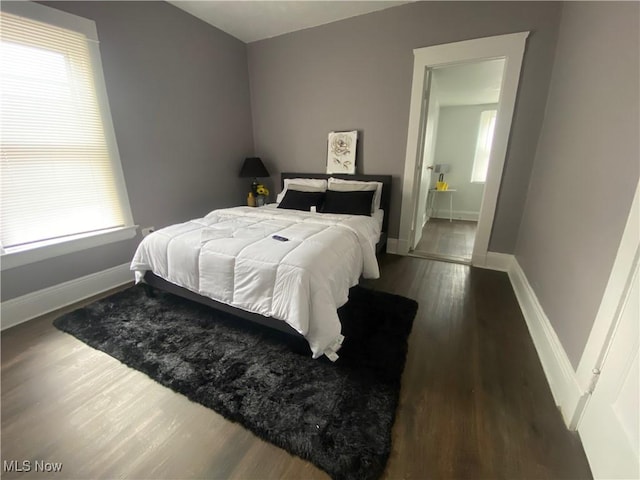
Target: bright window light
(483, 146)
(59, 176)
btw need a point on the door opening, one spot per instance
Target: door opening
(459, 121)
(425, 165)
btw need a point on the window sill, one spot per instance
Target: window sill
(18, 256)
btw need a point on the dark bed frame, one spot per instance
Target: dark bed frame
(157, 282)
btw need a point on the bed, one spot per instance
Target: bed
(288, 269)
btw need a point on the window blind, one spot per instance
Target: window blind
(57, 175)
(483, 146)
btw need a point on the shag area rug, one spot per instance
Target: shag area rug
(336, 415)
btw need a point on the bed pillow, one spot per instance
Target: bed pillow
(302, 185)
(356, 185)
(296, 200)
(352, 203)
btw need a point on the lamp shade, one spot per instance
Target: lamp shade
(253, 168)
(442, 168)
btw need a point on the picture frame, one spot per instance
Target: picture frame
(341, 152)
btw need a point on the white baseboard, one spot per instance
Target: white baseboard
(32, 305)
(493, 261)
(456, 214)
(560, 374)
(397, 246)
(499, 261)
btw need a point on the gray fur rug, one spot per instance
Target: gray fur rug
(336, 415)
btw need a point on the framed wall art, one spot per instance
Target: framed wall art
(341, 155)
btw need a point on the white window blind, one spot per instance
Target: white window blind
(58, 175)
(483, 146)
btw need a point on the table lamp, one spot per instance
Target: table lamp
(253, 168)
(441, 168)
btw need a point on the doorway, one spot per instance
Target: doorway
(461, 115)
(420, 202)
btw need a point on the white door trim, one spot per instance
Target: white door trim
(613, 299)
(511, 48)
(609, 424)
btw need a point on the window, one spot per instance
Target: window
(60, 171)
(483, 146)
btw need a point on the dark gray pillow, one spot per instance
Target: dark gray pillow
(352, 203)
(295, 200)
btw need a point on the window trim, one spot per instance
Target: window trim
(37, 251)
(18, 256)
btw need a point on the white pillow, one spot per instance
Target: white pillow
(303, 185)
(339, 185)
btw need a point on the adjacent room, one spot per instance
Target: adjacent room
(300, 239)
(463, 103)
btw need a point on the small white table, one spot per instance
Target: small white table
(432, 196)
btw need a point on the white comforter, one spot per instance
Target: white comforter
(230, 256)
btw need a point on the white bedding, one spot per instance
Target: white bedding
(230, 256)
(377, 215)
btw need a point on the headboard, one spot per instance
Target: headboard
(385, 201)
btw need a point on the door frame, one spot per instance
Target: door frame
(610, 310)
(511, 48)
(610, 340)
(422, 136)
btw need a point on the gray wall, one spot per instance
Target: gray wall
(356, 74)
(456, 146)
(179, 96)
(586, 167)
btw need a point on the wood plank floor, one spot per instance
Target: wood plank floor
(453, 239)
(474, 401)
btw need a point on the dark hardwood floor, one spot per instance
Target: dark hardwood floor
(454, 240)
(474, 400)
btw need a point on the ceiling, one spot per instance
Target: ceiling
(250, 20)
(473, 83)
